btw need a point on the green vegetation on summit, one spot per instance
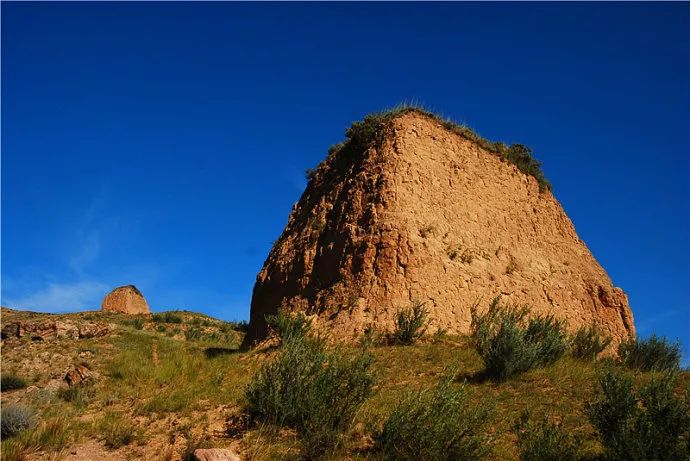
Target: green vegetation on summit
(371, 130)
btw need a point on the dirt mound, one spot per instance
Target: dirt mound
(126, 299)
(413, 208)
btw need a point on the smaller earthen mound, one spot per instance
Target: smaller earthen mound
(127, 300)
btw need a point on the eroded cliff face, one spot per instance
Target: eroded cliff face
(426, 214)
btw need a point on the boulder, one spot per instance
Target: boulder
(126, 300)
(77, 376)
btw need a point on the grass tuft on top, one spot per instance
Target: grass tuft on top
(369, 131)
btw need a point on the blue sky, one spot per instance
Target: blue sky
(165, 144)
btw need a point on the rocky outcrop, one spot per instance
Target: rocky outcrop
(42, 330)
(422, 212)
(126, 300)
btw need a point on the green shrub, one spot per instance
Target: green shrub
(649, 354)
(510, 343)
(548, 334)
(588, 342)
(10, 382)
(652, 423)
(410, 324)
(193, 334)
(289, 327)
(136, 323)
(14, 418)
(521, 156)
(166, 317)
(544, 441)
(313, 389)
(436, 424)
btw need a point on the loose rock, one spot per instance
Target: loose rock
(214, 454)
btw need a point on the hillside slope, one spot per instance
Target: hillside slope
(159, 387)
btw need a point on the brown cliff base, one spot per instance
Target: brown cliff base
(411, 207)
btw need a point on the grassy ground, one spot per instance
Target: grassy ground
(159, 390)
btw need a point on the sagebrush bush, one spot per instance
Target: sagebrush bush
(10, 382)
(544, 441)
(289, 327)
(650, 423)
(313, 389)
(14, 418)
(588, 342)
(649, 354)
(410, 324)
(510, 343)
(549, 336)
(438, 423)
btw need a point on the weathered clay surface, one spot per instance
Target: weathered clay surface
(127, 300)
(428, 215)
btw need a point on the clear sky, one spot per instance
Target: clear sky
(164, 144)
